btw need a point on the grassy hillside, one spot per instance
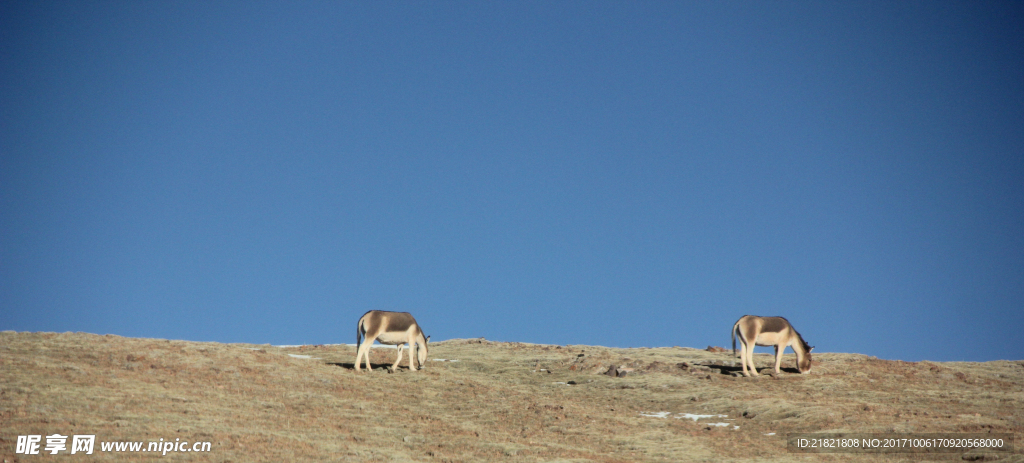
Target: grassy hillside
(498, 402)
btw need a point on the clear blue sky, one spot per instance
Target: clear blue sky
(608, 173)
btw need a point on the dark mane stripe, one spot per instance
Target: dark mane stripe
(807, 347)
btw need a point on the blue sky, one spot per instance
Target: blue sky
(607, 173)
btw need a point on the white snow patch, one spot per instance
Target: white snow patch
(656, 415)
(691, 416)
(303, 356)
(697, 417)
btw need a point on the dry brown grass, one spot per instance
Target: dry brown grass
(500, 402)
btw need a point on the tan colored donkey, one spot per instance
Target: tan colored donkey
(391, 328)
(769, 331)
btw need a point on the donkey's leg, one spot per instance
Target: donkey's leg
(413, 351)
(750, 358)
(359, 355)
(361, 352)
(399, 359)
(779, 350)
(366, 354)
(743, 357)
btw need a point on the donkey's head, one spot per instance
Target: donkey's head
(804, 361)
(421, 353)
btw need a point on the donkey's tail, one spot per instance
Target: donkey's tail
(359, 334)
(734, 327)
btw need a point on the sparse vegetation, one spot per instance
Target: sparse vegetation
(497, 402)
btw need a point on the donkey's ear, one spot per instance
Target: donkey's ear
(811, 349)
(428, 338)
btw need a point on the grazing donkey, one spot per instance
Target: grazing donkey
(391, 328)
(769, 331)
